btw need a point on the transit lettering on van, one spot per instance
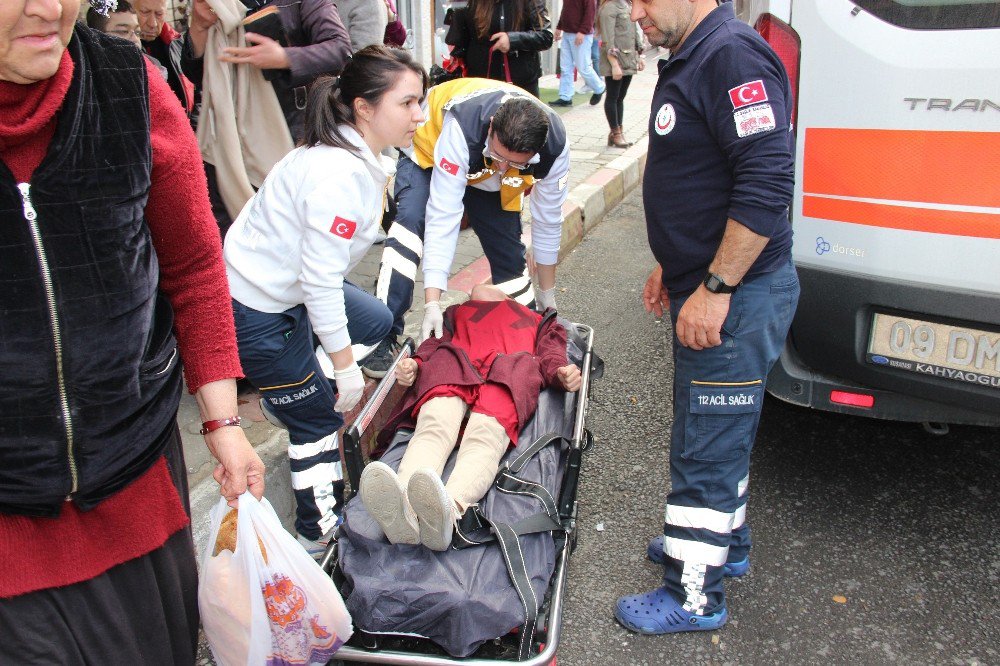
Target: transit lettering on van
(944, 104)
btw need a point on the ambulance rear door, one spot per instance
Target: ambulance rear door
(897, 209)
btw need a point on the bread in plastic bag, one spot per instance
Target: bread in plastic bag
(278, 610)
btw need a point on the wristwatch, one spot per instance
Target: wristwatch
(717, 285)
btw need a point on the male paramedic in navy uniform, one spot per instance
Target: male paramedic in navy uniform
(716, 191)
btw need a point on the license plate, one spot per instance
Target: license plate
(956, 353)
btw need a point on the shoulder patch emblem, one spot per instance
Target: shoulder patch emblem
(343, 228)
(450, 167)
(751, 92)
(665, 120)
(756, 119)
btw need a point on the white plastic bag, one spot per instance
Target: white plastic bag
(284, 610)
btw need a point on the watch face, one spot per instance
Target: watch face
(715, 285)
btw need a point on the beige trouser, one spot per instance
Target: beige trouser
(483, 445)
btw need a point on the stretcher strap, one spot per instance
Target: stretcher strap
(473, 528)
(508, 483)
(526, 453)
(511, 548)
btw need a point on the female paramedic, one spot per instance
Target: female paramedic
(288, 253)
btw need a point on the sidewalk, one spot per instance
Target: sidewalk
(600, 177)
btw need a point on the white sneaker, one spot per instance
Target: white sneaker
(435, 510)
(385, 500)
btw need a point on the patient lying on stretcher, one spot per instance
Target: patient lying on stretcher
(492, 361)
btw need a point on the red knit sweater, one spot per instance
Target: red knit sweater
(39, 553)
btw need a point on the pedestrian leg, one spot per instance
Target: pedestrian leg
(566, 57)
(368, 319)
(586, 67)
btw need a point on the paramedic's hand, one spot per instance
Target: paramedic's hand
(700, 320)
(654, 294)
(350, 387)
(240, 468)
(546, 299)
(263, 53)
(406, 372)
(570, 377)
(433, 321)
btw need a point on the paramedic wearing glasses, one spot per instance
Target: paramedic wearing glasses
(716, 191)
(484, 145)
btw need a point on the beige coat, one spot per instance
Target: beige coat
(618, 31)
(241, 131)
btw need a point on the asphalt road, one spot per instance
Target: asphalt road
(874, 542)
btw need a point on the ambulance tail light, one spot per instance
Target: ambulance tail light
(787, 45)
(862, 400)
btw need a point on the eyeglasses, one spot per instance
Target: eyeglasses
(126, 32)
(492, 156)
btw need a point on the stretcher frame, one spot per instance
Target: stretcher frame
(567, 503)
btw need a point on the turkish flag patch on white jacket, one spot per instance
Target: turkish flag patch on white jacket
(343, 227)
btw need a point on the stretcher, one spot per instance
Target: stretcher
(496, 596)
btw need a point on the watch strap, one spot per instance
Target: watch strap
(215, 424)
(717, 285)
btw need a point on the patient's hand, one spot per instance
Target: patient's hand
(570, 377)
(406, 371)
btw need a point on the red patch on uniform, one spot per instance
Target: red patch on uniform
(450, 167)
(343, 228)
(748, 93)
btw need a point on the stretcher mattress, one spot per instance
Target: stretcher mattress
(457, 598)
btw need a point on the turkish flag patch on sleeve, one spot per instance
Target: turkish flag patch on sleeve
(751, 92)
(343, 228)
(450, 167)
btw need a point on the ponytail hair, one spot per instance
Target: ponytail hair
(368, 75)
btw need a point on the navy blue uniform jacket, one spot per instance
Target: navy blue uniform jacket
(720, 147)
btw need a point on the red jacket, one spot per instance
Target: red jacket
(534, 348)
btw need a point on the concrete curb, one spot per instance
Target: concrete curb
(589, 202)
(585, 208)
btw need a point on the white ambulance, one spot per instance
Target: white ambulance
(897, 206)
